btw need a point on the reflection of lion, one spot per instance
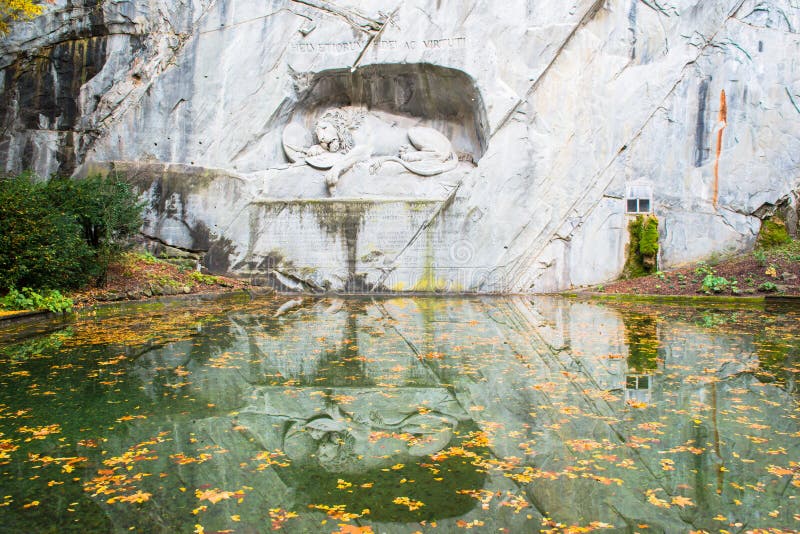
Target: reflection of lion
(341, 443)
(343, 141)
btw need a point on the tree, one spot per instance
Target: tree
(40, 247)
(60, 234)
(107, 210)
(11, 10)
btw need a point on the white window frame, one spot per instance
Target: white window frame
(638, 393)
(641, 194)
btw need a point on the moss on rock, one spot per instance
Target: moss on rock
(773, 233)
(643, 246)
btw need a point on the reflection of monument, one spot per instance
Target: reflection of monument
(357, 408)
(339, 420)
(347, 136)
(348, 430)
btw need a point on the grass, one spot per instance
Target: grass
(788, 251)
(773, 270)
(140, 275)
(206, 279)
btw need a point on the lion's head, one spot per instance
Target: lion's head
(334, 129)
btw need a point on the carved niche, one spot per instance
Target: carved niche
(410, 122)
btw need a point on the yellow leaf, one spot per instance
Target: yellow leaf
(652, 499)
(344, 528)
(667, 465)
(681, 501)
(213, 495)
(412, 505)
(779, 471)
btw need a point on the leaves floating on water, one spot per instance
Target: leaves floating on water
(473, 414)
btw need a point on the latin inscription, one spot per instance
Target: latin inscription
(327, 48)
(343, 47)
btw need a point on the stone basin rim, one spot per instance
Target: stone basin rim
(350, 200)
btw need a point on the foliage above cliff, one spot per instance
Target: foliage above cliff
(11, 10)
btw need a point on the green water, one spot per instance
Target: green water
(403, 415)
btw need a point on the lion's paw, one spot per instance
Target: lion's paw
(331, 178)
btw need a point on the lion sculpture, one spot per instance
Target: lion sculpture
(343, 140)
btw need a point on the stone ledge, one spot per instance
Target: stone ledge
(25, 317)
(349, 200)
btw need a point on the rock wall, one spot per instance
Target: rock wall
(555, 114)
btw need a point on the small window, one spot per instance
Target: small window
(637, 388)
(638, 198)
(637, 382)
(638, 205)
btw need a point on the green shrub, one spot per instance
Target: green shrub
(789, 251)
(146, 257)
(28, 299)
(165, 280)
(648, 240)
(62, 233)
(768, 287)
(40, 246)
(714, 284)
(704, 269)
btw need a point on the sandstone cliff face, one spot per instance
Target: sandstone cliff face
(556, 112)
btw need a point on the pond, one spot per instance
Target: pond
(403, 415)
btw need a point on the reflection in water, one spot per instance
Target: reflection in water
(641, 336)
(404, 415)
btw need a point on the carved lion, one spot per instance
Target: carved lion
(342, 140)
